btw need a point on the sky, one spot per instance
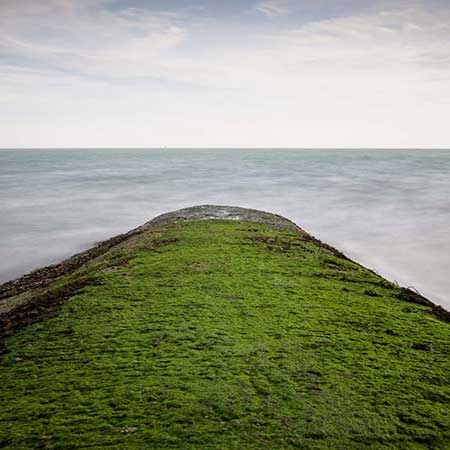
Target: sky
(231, 73)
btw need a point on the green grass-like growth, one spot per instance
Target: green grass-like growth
(228, 335)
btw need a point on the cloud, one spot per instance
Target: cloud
(272, 8)
(85, 38)
(125, 74)
(90, 40)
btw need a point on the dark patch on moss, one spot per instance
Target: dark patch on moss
(391, 332)
(44, 277)
(162, 242)
(309, 238)
(280, 244)
(42, 306)
(4, 349)
(411, 296)
(422, 347)
(440, 313)
(371, 293)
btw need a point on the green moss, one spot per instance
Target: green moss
(228, 335)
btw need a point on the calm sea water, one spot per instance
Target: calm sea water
(389, 210)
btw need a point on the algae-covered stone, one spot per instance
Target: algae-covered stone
(220, 328)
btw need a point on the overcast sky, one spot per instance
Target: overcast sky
(186, 73)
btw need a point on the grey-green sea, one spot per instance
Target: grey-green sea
(387, 209)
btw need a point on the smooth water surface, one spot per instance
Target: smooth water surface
(387, 209)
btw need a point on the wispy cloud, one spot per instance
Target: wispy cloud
(85, 37)
(380, 75)
(272, 8)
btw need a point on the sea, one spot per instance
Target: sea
(387, 209)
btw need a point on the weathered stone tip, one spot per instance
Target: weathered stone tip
(220, 212)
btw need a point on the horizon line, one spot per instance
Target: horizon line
(223, 148)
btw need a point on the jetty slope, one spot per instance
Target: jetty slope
(220, 328)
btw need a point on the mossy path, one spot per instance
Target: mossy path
(227, 335)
